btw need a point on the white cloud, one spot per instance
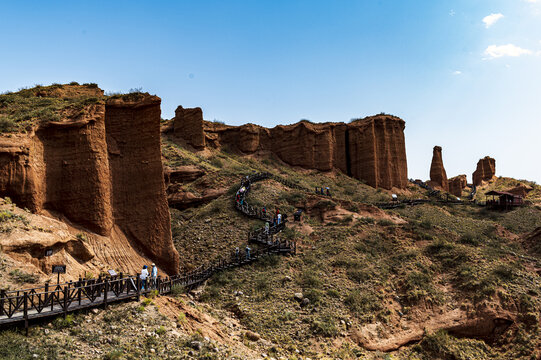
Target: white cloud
(531, 1)
(496, 51)
(457, 72)
(491, 19)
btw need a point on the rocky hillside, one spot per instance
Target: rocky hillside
(423, 282)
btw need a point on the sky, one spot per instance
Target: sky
(464, 74)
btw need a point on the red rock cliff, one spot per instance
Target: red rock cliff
(137, 180)
(100, 168)
(486, 170)
(457, 184)
(438, 176)
(370, 149)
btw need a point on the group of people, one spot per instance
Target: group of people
(319, 191)
(247, 253)
(144, 276)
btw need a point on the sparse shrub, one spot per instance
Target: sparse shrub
(152, 294)
(22, 277)
(181, 318)
(140, 309)
(160, 331)
(314, 295)
(114, 355)
(385, 222)
(469, 239)
(363, 302)
(61, 322)
(177, 290)
(217, 162)
(310, 279)
(426, 224)
(325, 326)
(146, 302)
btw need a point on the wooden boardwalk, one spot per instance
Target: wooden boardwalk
(53, 300)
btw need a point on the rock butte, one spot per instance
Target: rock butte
(370, 149)
(457, 184)
(438, 176)
(101, 170)
(486, 170)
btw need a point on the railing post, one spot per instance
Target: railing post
(138, 286)
(79, 293)
(66, 293)
(158, 283)
(105, 293)
(26, 312)
(2, 297)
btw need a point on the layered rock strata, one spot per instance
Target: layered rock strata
(457, 184)
(438, 176)
(101, 169)
(486, 170)
(371, 149)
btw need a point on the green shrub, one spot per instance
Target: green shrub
(363, 302)
(23, 278)
(114, 355)
(325, 326)
(61, 322)
(160, 331)
(177, 290)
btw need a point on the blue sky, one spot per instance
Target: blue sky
(463, 74)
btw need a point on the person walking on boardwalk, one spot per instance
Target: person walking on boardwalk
(248, 252)
(328, 191)
(267, 227)
(237, 254)
(143, 277)
(154, 276)
(279, 218)
(264, 211)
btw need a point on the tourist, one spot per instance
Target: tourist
(322, 191)
(154, 275)
(143, 277)
(267, 227)
(328, 191)
(279, 218)
(248, 252)
(264, 211)
(237, 254)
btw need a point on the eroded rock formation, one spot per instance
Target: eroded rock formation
(370, 149)
(486, 170)
(438, 176)
(457, 184)
(189, 125)
(100, 168)
(520, 189)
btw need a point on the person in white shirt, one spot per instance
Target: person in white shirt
(154, 275)
(143, 277)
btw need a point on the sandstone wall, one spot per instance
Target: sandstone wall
(486, 170)
(438, 176)
(101, 170)
(189, 125)
(371, 149)
(137, 180)
(457, 184)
